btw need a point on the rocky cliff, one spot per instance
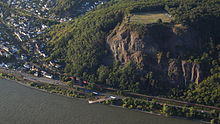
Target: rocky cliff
(162, 49)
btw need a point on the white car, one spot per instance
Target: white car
(113, 97)
(95, 93)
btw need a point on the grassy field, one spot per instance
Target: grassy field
(148, 18)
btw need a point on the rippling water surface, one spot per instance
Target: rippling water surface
(23, 105)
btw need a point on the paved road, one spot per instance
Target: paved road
(57, 82)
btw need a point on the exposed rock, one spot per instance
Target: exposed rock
(175, 72)
(187, 71)
(128, 45)
(195, 77)
(125, 45)
(183, 72)
(191, 72)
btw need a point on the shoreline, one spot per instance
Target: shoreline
(155, 114)
(41, 90)
(83, 99)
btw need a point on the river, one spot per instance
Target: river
(23, 105)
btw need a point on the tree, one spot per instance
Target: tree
(214, 114)
(159, 21)
(93, 86)
(191, 114)
(70, 83)
(166, 110)
(103, 73)
(214, 121)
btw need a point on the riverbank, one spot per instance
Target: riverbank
(44, 87)
(24, 105)
(52, 89)
(161, 114)
(41, 90)
(115, 106)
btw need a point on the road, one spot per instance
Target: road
(183, 103)
(30, 77)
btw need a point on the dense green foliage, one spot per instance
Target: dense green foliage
(166, 109)
(81, 45)
(86, 37)
(207, 92)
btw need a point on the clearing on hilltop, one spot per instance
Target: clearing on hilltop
(150, 17)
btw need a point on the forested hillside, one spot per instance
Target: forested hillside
(178, 59)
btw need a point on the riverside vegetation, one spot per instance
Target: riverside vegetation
(166, 110)
(149, 105)
(177, 59)
(50, 88)
(81, 45)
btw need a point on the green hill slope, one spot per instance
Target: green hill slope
(104, 47)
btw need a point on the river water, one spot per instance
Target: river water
(23, 105)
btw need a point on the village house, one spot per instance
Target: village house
(4, 53)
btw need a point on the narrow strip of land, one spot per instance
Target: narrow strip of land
(172, 102)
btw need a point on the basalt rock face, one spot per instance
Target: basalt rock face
(160, 48)
(191, 72)
(125, 45)
(181, 71)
